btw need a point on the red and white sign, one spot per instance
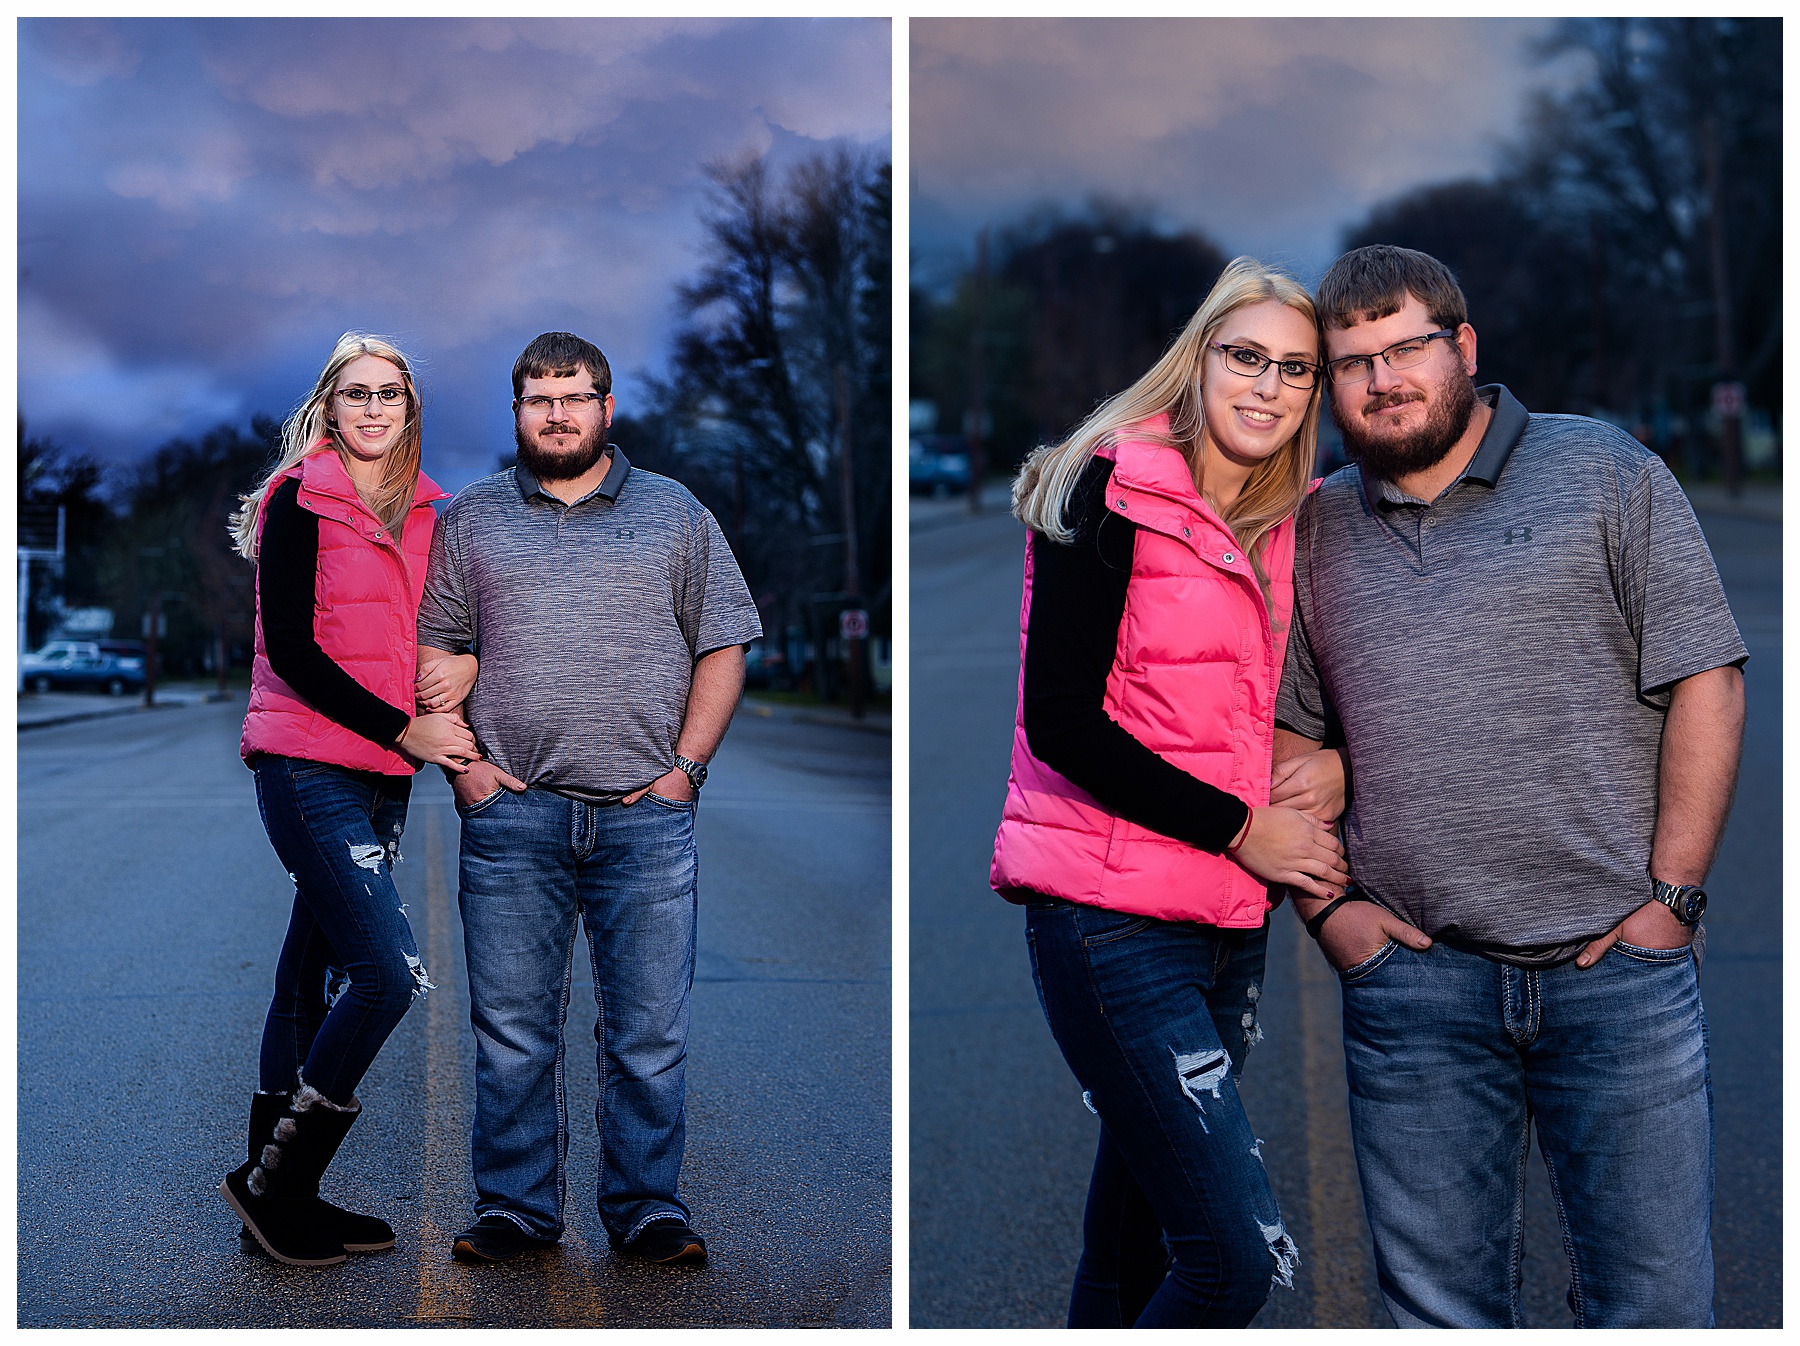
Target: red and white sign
(1728, 399)
(853, 624)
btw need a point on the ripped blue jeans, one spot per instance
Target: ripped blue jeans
(1155, 1019)
(349, 967)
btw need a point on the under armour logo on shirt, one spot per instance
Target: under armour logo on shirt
(1517, 535)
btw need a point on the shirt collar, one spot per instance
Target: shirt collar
(608, 489)
(1505, 428)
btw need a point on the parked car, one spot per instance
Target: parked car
(83, 665)
(937, 464)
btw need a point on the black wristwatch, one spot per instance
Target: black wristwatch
(1686, 900)
(694, 771)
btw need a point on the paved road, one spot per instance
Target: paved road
(1001, 1144)
(151, 908)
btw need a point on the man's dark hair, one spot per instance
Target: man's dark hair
(560, 355)
(1368, 284)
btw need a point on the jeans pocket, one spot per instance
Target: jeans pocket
(1099, 925)
(470, 810)
(682, 804)
(1370, 963)
(1639, 954)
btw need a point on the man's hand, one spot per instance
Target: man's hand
(1312, 782)
(1355, 932)
(481, 780)
(672, 784)
(1651, 926)
(444, 682)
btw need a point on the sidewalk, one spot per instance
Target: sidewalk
(40, 710)
(1757, 500)
(927, 512)
(836, 716)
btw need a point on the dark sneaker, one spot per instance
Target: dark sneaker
(494, 1238)
(667, 1242)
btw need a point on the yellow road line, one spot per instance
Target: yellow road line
(445, 1292)
(1340, 1268)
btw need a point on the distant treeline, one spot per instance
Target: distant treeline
(783, 359)
(1624, 261)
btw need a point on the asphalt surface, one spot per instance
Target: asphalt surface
(151, 908)
(1001, 1144)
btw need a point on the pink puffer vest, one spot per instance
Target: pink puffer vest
(365, 617)
(1194, 679)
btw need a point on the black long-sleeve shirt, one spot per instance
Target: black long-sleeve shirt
(1077, 605)
(287, 567)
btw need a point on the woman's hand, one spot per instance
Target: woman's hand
(1312, 782)
(444, 739)
(1283, 845)
(444, 684)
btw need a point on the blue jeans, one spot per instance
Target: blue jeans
(338, 833)
(1452, 1057)
(1155, 1019)
(532, 865)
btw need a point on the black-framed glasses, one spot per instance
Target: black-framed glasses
(1400, 355)
(537, 406)
(1250, 362)
(390, 396)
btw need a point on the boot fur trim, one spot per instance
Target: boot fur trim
(306, 1098)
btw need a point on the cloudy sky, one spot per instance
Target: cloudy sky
(204, 205)
(1269, 135)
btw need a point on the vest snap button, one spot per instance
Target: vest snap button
(1230, 557)
(1187, 532)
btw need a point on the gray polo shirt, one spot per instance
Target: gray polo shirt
(587, 619)
(1500, 661)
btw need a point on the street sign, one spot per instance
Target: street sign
(853, 624)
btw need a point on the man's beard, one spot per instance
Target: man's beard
(547, 464)
(1395, 456)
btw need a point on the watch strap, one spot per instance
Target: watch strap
(1675, 896)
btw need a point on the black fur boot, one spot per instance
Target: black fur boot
(358, 1233)
(276, 1194)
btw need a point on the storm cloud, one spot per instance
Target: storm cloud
(204, 205)
(1269, 135)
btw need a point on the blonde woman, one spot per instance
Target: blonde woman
(1138, 830)
(339, 530)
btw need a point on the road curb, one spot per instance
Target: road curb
(771, 710)
(105, 713)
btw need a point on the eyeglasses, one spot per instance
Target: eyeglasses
(1251, 363)
(359, 397)
(538, 406)
(1400, 355)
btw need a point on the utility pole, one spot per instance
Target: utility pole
(152, 623)
(853, 626)
(1727, 392)
(975, 418)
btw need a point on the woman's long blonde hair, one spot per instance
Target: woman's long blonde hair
(1274, 490)
(309, 430)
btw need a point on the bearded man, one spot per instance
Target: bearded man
(609, 620)
(1513, 625)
